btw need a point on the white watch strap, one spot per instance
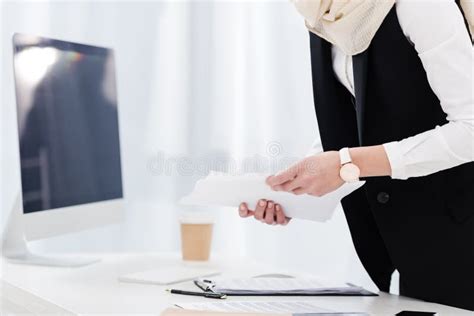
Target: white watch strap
(345, 156)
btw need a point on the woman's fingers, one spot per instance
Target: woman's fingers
(270, 213)
(260, 210)
(279, 215)
(299, 191)
(282, 177)
(266, 212)
(292, 185)
(244, 210)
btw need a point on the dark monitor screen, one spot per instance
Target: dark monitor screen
(67, 123)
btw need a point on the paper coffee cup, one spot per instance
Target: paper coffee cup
(196, 235)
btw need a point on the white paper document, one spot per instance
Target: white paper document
(220, 189)
(268, 307)
(279, 285)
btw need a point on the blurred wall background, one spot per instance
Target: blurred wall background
(211, 82)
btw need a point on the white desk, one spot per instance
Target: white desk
(95, 290)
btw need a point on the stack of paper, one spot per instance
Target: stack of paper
(220, 189)
(269, 286)
(270, 308)
(281, 286)
(248, 308)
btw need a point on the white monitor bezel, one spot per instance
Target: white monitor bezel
(72, 219)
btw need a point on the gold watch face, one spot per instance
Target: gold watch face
(350, 172)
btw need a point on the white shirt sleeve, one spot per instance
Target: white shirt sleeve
(437, 30)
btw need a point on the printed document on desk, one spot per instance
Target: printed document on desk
(264, 286)
(221, 189)
(295, 308)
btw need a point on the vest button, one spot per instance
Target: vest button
(383, 197)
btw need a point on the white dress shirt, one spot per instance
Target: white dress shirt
(437, 31)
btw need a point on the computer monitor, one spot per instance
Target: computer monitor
(68, 132)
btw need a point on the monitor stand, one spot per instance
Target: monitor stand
(15, 246)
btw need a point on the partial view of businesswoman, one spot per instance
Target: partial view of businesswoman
(394, 97)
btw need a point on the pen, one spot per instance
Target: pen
(204, 294)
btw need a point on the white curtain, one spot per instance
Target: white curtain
(202, 85)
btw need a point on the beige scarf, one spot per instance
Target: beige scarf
(351, 24)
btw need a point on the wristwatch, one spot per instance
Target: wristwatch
(349, 172)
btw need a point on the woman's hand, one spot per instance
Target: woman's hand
(316, 175)
(265, 211)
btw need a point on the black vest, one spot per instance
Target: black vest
(423, 227)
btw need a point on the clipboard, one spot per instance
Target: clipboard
(207, 285)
